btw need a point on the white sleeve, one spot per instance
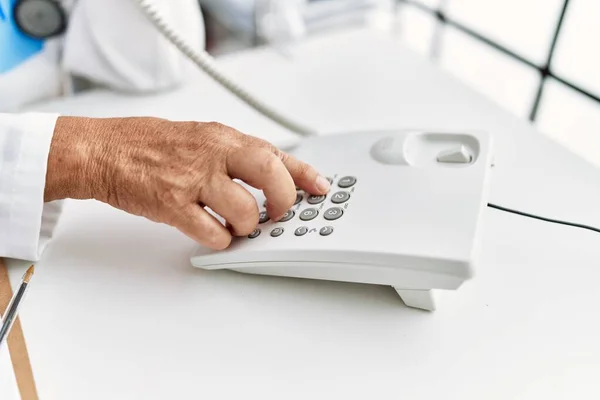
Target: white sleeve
(26, 222)
(112, 44)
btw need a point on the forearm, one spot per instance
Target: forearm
(82, 153)
(68, 165)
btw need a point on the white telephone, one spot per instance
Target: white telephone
(404, 209)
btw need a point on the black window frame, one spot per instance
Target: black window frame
(545, 70)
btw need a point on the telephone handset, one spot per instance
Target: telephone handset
(404, 210)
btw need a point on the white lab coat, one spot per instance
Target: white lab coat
(111, 44)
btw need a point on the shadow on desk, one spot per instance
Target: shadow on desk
(118, 257)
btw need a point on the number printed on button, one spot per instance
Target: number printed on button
(340, 197)
(326, 231)
(263, 217)
(301, 231)
(314, 199)
(333, 213)
(346, 181)
(287, 216)
(308, 214)
(276, 232)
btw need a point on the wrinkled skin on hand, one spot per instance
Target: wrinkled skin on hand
(170, 171)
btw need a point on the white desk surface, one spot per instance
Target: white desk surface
(117, 311)
(8, 384)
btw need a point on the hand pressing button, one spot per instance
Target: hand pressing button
(298, 199)
(263, 217)
(254, 234)
(287, 216)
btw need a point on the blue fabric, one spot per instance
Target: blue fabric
(15, 47)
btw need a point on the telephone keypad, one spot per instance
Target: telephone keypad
(340, 197)
(277, 232)
(346, 182)
(287, 216)
(300, 231)
(254, 233)
(333, 213)
(326, 231)
(263, 217)
(309, 214)
(315, 199)
(337, 200)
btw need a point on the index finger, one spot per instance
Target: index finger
(305, 175)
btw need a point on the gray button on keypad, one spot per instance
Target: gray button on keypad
(346, 181)
(276, 232)
(263, 217)
(340, 197)
(315, 199)
(288, 215)
(326, 230)
(308, 214)
(254, 233)
(333, 213)
(300, 231)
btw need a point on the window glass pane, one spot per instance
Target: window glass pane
(416, 28)
(524, 26)
(577, 57)
(508, 82)
(433, 4)
(571, 119)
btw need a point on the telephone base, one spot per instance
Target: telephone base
(422, 299)
(404, 210)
